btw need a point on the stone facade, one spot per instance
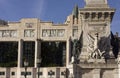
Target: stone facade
(90, 26)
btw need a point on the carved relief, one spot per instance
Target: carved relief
(29, 33)
(53, 32)
(8, 33)
(29, 25)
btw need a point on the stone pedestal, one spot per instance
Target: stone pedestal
(116, 73)
(96, 73)
(71, 73)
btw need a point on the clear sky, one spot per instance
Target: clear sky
(49, 10)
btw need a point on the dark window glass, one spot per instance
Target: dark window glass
(40, 73)
(12, 73)
(8, 54)
(28, 73)
(53, 54)
(29, 52)
(51, 73)
(63, 73)
(2, 73)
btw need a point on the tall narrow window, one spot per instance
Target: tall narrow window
(29, 52)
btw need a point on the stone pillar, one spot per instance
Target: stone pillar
(20, 54)
(96, 73)
(116, 73)
(118, 62)
(118, 70)
(37, 51)
(67, 52)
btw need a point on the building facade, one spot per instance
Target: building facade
(86, 36)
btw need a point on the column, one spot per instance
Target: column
(37, 51)
(96, 73)
(67, 52)
(118, 66)
(116, 73)
(20, 54)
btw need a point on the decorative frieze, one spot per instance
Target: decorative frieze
(53, 32)
(29, 33)
(8, 33)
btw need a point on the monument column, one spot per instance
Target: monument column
(96, 73)
(20, 54)
(37, 51)
(118, 70)
(116, 73)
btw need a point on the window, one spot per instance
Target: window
(40, 73)
(51, 73)
(28, 51)
(29, 33)
(12, 73)
(63, 73)
(28, 73)
(2, 73)
(22, 73)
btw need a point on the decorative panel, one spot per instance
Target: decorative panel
(53, 32)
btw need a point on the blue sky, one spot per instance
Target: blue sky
(49, 10)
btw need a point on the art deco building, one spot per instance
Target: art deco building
(82, 47)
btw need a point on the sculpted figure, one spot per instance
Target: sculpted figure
(95, 51)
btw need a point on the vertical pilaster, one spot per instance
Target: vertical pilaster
(20, 54)
(37, 51)
(96, 73)
(67, 52)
